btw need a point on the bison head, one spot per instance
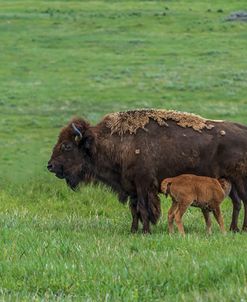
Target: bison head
(72, 155)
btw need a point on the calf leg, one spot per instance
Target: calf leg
(171, 215)
(207, 218)
(182, 207)
(236, 202)
(219, 218)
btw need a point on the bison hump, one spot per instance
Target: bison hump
(130, 121)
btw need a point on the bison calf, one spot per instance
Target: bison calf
(199, 191)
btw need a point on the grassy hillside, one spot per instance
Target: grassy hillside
(64, 58)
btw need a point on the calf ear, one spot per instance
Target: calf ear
(89, 142)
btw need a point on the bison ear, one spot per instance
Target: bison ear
(88, 142)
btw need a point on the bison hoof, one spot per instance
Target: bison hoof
(234, 229)
(146, 232)
(134, 230)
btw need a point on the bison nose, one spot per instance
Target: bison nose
(50, 167)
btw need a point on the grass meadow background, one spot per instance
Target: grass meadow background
(64, 58)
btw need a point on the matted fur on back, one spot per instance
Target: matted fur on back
(131, 121)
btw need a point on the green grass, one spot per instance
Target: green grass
(88, 58)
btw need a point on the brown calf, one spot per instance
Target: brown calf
(200, 191)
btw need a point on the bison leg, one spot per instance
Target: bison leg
(236, 202)
(154, 208)
(135, 215)
(242, 193)
(144, 217)
(244, 228)
(142, 208)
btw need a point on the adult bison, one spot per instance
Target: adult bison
(133, 151)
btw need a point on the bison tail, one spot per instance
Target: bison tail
(225, 185)
(154, 208)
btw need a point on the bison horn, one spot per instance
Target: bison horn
(78, 132)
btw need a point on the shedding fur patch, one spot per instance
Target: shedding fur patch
(131, 121)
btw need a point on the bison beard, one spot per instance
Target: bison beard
(158, 145)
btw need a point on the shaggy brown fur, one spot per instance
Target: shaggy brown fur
(131, 121)
(134, 165)
(200, 191)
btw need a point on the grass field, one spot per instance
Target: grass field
(64, 58)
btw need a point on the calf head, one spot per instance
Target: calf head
(165, 186)
(73, 153)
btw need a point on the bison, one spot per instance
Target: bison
(133, 151)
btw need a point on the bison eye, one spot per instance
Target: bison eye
(66, 147)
